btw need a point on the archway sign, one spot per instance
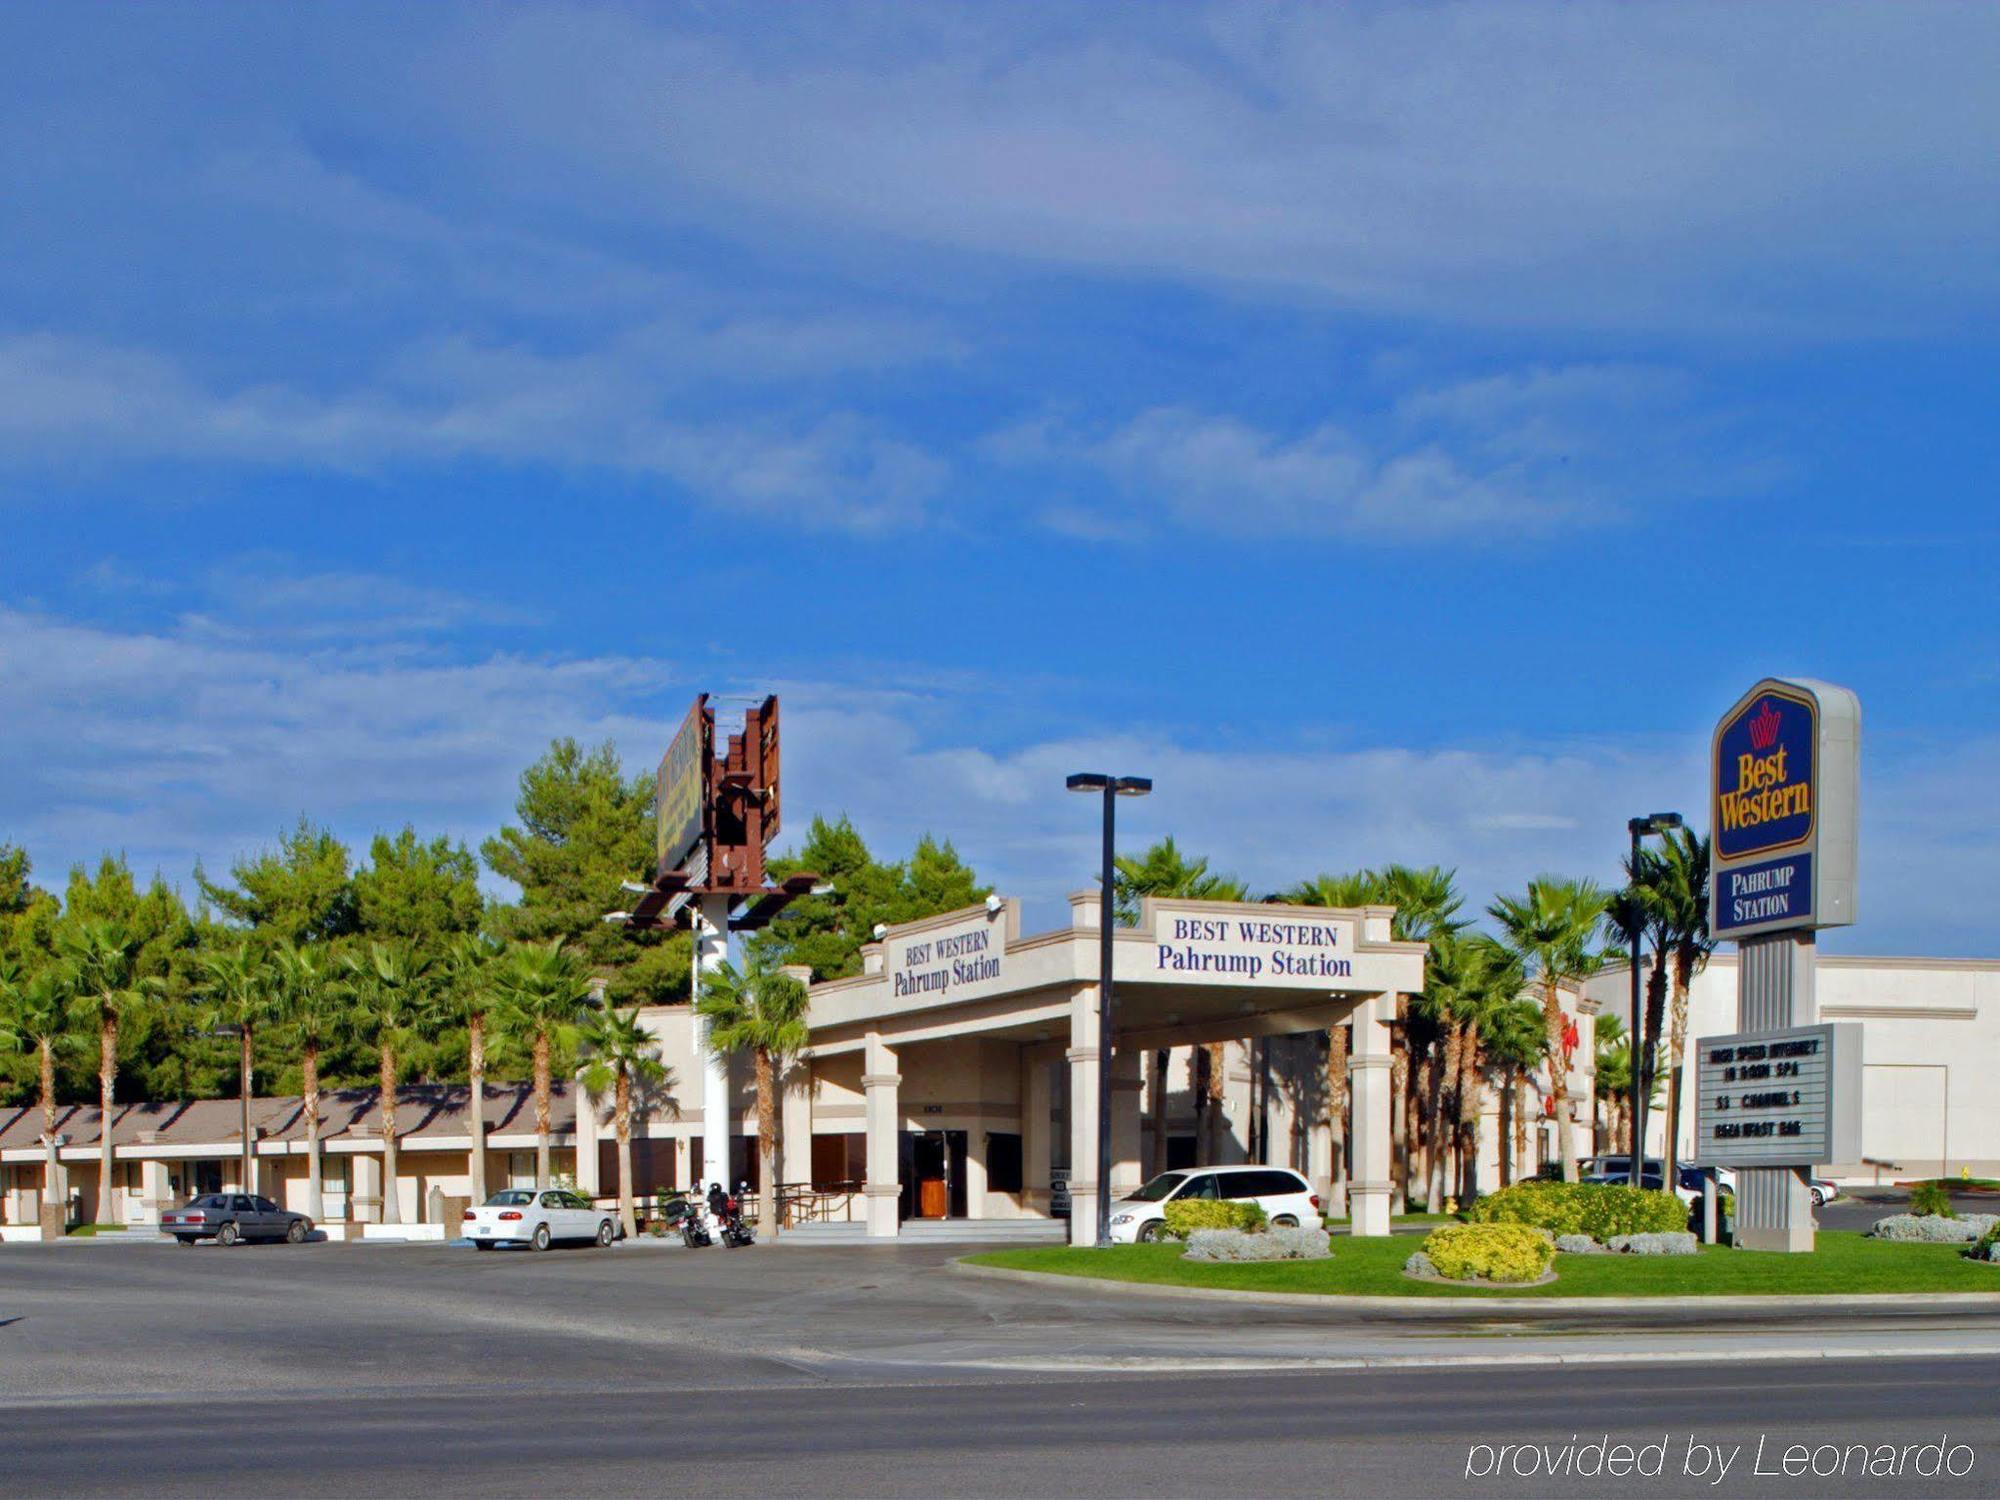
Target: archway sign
(714, 816)
(1783, 1094)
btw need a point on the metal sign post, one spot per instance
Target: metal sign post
(1784, 794)
(715, 812)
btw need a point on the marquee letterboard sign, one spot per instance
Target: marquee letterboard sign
(1785, 1098)
(1784, 777)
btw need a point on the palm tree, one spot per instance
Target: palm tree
(1681, 877)
(541, 991)
(466, 993)
(1512, 1038)
(1426, 899)
(1362, 888)
(1613, 1058)
(624, 1058)
(387, 983)
(1164, 871)
(309, 1007)
(1634, 912)
(1491, 981)
(1550, 929)
(102, 960)
(762, 1012)
(35, 1016)
(237, 984)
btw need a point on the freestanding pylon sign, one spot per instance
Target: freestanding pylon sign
(1783, 799)
(714, 815)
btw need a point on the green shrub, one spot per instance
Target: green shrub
(1598, 1209)
(1982, 1248)
(1929, 1200)
(1185, 1215)
(1511, 1253)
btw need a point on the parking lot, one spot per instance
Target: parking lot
(141, 1368)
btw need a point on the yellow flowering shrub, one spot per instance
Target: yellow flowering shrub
(1184, 1215)
(1489, 1252)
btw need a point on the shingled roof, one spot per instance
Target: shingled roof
(422, 1110)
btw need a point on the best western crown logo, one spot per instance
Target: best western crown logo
(1764, 726)
(1764, 778)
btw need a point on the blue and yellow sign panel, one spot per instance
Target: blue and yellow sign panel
(1783, 789)
(1764, 775)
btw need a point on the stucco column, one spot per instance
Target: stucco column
(1319, 1143)
(1035, 1107)
(1082, 1054)
(1368, 1085)
(156, 1189)
(1239, 1099)
(795, 1134)
(884, 1189)
(975, 1172)
(364, 1202)
(589, 1173)
(1127, 1171)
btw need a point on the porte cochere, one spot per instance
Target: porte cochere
(956, 1076)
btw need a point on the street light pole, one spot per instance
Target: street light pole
(1636, 1159)
(1113, 787)
(247, 1169)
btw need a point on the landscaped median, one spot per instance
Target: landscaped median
(1846, 1263)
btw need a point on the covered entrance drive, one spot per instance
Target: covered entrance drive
(969, 1053)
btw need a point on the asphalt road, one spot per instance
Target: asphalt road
(344, 1370)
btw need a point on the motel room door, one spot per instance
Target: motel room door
(936, 1174)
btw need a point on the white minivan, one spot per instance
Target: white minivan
(1286, 1198)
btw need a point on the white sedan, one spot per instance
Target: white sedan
(525, 1216)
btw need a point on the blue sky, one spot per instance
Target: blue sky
(1399, 430)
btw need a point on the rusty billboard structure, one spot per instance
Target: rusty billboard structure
(716, 810)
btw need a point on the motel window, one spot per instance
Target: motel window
(838, 1159)
(1003, 1162)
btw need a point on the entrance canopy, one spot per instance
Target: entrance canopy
(1190, 971)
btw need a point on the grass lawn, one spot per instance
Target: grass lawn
(1957, 1184)
(1846, 1261)
(90, 1229)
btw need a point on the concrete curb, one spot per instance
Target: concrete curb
(1443, 1309)
(1540, 1359)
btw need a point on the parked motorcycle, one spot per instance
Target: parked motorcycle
(736, 1230)
(694, 1227)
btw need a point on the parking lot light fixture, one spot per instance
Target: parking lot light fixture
(1112, 788)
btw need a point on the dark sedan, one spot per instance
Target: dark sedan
(227, 1218)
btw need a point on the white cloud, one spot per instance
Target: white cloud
(452, 401)
(175, 746)
(1510, 454)
(1717, 169)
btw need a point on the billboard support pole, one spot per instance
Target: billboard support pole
(1775, 988)
(711, 952)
